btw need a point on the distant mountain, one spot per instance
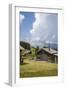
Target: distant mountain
(54, 46)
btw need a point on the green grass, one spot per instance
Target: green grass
(32, 68)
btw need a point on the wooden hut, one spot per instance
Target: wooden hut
(53, 54)
(42, 55)
(21, 54)
(46, 54)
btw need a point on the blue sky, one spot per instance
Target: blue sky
(38, 28)
(26, 25)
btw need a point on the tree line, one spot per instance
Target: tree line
(25, 45)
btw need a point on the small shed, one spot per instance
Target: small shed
(42, 55)
(45, 54)
(21, 54)
(53, 54)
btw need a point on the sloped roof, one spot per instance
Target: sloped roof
(24, 51)
(21, 48)
(51, 51)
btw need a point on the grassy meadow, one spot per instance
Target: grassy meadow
(34, 68)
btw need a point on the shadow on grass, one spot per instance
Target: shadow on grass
(24, 63)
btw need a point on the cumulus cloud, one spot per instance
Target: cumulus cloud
(40, 19)
(44, 28)
(21, 17)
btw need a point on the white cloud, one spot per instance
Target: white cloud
(43, 28)
(40, 19)
(21, 17)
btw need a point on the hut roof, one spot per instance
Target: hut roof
(51, 51)
(24, 51)
(21, 48)
(56, 54)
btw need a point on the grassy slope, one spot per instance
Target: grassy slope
(32, 68)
